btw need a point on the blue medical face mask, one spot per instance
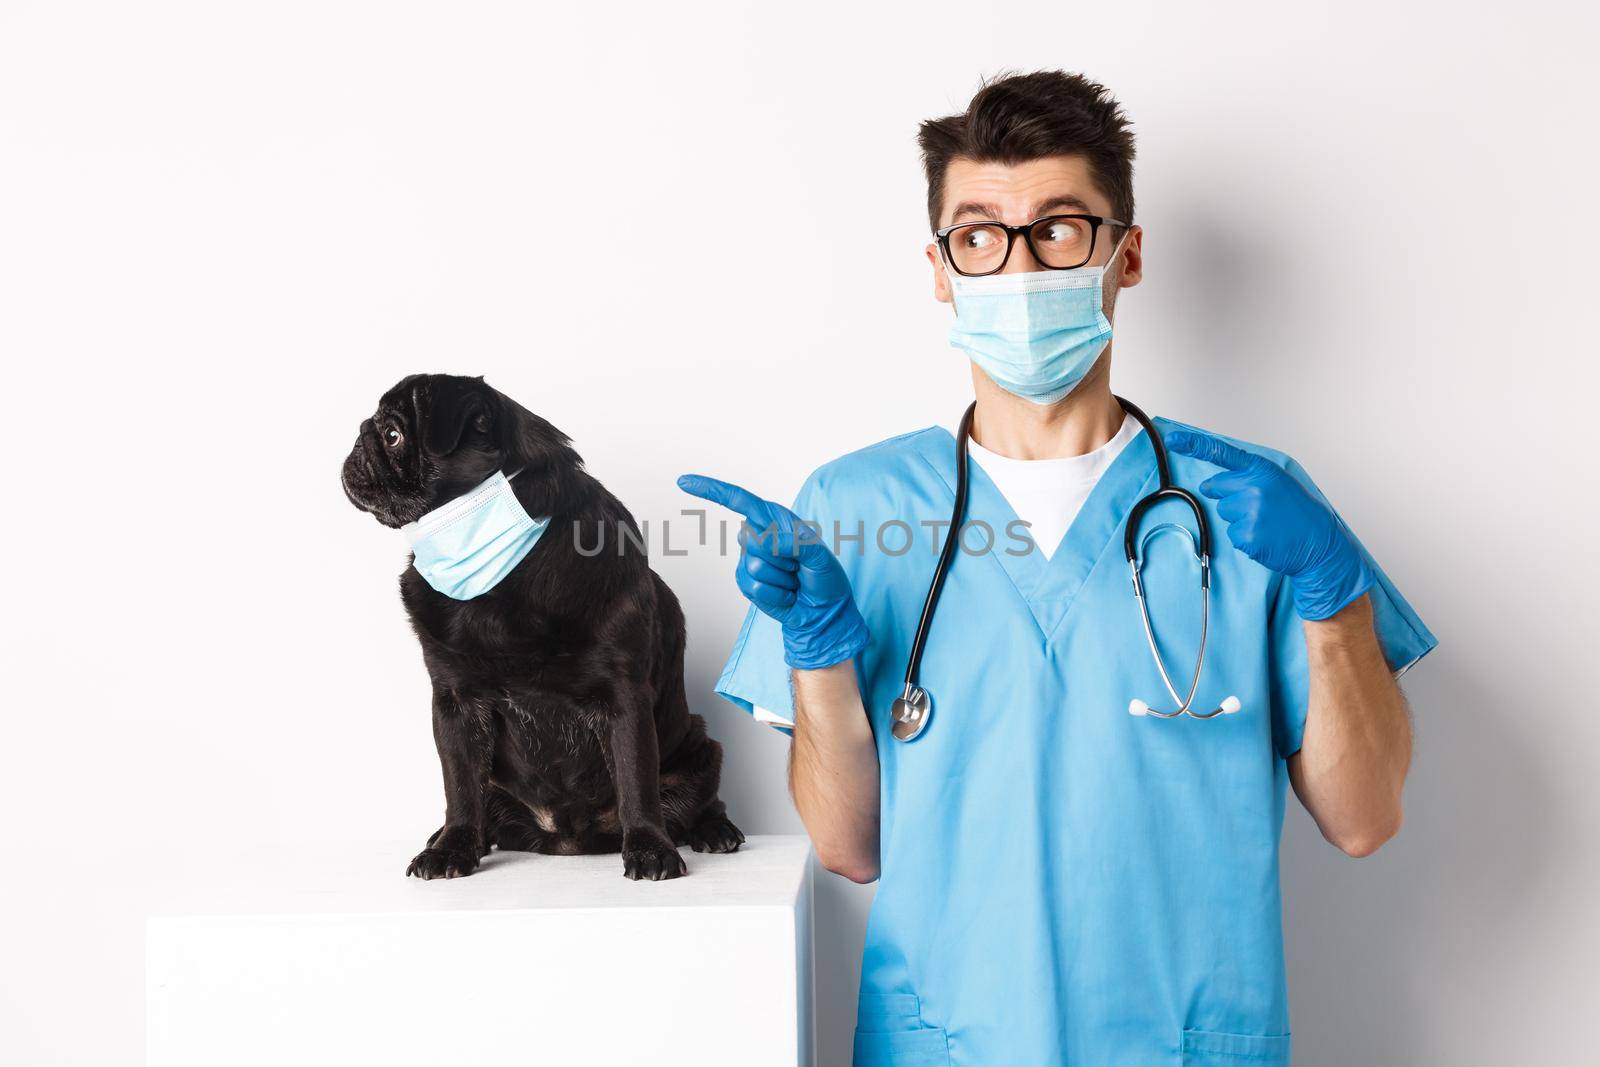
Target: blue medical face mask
(1034, 334)
(466, 547)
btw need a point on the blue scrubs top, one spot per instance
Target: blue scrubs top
(1063, 882)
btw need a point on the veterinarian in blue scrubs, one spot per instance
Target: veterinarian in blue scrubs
(1061, 881)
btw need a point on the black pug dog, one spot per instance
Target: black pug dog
(558, 702)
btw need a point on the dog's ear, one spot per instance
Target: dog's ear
(528, 437)
(455, 408)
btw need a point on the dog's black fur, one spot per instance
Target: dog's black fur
(558, 701)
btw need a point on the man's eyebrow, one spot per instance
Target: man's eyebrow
(1056, 203)
(970, 207)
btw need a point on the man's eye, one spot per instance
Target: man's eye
(980, 239)
(394, 437)
(1061, 232)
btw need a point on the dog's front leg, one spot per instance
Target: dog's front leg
(647, 851)
(465, 745)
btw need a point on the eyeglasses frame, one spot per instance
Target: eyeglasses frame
(1025, 231)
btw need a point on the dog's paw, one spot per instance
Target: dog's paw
(647, 854)
(442, 863)
(715, 833)
(483, 842)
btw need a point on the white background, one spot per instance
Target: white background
(692, 238)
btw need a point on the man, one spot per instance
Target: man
(1062, 881)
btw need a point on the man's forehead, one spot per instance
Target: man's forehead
(1016, 191)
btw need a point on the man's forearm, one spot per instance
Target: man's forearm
(833, 771)
(1353, 759)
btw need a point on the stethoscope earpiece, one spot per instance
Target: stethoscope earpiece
(1227, 707)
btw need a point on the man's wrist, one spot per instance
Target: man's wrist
(839, 638)
(829, 698)
(1329, 589)
(1348, 627)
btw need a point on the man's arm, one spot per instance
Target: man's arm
(785, 571)
(1353, 759)
(833, 771)
(1356, 745)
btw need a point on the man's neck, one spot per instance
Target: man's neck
(1080, 422)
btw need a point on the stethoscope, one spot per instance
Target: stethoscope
(914, 707)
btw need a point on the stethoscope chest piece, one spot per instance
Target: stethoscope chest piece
(910, 714)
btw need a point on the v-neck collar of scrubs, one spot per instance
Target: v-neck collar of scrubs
(1048, 584)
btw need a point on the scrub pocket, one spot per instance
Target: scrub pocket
(889, 1033)
(1203, 1048)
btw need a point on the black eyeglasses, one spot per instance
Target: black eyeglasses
(1058, 242)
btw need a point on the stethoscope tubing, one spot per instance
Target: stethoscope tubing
(947, 553)
(914, 696)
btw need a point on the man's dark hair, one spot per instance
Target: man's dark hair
(1020, 117)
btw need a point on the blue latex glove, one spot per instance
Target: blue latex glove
(787, 572)
(1277, 522)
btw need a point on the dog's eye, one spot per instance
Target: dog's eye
(394, 437)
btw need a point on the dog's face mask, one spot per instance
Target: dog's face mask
(433, 437)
